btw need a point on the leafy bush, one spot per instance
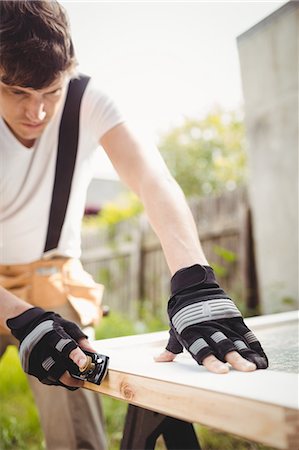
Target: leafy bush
(207, 155)
(126, 206)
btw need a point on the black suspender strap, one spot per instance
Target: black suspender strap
(65, 161)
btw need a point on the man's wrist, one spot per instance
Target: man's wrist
(18, 310)
(21, 323)
(191, 276)
(11, 306)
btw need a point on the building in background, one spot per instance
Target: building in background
(105, 186)
(100, 191)
(268, 54)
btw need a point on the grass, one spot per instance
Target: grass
(19, 421)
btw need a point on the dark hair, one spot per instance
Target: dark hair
(35, 43)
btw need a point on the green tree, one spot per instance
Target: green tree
(207, 156)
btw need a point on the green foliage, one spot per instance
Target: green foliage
(127, 206)
(207, 155)
(115, 414)
(154, 317)
(289, 301)
(220, 271)
(225, 254)
(215, 440)
(115, 325)
(19, 421)
(226, 258)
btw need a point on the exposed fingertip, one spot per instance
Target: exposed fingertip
(214, 365)
(82, 361)
(166, 356)
(223, 369)
(250, 365)
(78, 357)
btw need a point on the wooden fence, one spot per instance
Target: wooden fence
(132, 266)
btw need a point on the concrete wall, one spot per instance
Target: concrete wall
(101, 191)
(268, 55)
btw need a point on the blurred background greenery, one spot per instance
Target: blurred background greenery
(206, 156)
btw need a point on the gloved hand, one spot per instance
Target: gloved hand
(46, 342)
(205, 320)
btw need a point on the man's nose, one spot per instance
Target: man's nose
(35, 110)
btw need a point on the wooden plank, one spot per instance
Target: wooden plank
(269, 424)
(261, 406)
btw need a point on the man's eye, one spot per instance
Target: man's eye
(53, 93)
(17, 92)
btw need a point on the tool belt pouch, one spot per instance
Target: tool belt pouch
(53, 283)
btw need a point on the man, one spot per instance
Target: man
(37, 63)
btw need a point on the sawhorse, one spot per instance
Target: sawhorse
(143, 427)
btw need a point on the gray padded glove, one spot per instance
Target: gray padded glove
(206, 321)
(46, 340)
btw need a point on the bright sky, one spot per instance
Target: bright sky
(162, 61)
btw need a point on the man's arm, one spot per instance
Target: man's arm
(142, 168)
(10, 306)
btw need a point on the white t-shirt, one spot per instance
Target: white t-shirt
(27, 177)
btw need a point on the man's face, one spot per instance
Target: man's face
(27, 111)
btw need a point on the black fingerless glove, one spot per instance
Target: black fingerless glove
(206, 321)
(46, 340)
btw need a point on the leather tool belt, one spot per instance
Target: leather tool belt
(54, 282)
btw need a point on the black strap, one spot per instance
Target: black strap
(66, 159)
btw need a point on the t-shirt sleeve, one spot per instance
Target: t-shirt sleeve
(99, 112)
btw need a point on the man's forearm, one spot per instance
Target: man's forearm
(172, 220)
(10, 306)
